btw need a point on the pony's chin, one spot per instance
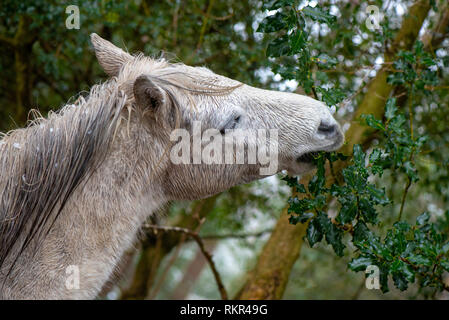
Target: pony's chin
(299, 168)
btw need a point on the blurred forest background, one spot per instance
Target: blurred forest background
(43, 64)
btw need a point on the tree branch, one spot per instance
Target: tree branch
(7, 41)
(236, 236)
(194, 235)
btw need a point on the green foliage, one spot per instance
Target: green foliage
(331, 96)
(399, 144)
(415, 69)
(291, 23)
(405, 252)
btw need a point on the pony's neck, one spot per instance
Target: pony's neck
(99, 222)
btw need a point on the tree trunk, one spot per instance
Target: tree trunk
(270, 276)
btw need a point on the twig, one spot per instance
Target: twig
(175, 23)
(203, 27)
(331, 166)
(433, 88)
(314, 93)
(223, 18)
(7, 41)
(409, 183)
(362, 86)
(410, 110)
(202, 31)
(236, 236)
(199, 241)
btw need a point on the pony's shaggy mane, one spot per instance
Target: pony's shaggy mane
(44, 163)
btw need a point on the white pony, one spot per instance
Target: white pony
(75, 188)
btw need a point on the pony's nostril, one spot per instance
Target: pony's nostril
(327, 129)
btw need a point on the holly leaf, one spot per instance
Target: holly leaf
(445, 264)
(378, 196)
(297, 41)
(359, 155)
(278, 47)
(273, 23)
(314, 233)
(390, 108)
(360, 263)
(276, 4)
(422, 219)
(420, 260)
(299, 206)
(347, 212)
(300, 218)
(373, 122)
(325, 61)
(332, 233)
(293, 182)
(317, 14)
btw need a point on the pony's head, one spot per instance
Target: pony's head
(217, 132)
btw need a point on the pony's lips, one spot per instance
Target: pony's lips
(303, 163)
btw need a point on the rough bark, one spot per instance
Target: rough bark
(270, 275)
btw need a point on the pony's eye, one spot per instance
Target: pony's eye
(231, 124)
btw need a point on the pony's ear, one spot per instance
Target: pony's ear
(148, 95)
(110, 57)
